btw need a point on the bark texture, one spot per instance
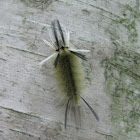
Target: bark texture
(29, 100)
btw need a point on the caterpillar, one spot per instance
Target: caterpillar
(67, 66)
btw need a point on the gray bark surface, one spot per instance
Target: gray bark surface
(29, 100)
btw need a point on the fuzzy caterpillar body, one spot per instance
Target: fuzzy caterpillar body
(70, 76)
(68, 68)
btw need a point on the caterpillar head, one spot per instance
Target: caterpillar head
(61, 44)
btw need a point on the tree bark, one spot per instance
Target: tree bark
(30, 106)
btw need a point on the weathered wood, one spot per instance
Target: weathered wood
(29, 103)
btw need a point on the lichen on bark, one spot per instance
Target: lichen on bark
(122, 73)
(40, 4)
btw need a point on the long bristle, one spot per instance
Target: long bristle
(79, 55)
(55, 34)
(91, 109)
(66, 112)
(60, 29)
(56, 60)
